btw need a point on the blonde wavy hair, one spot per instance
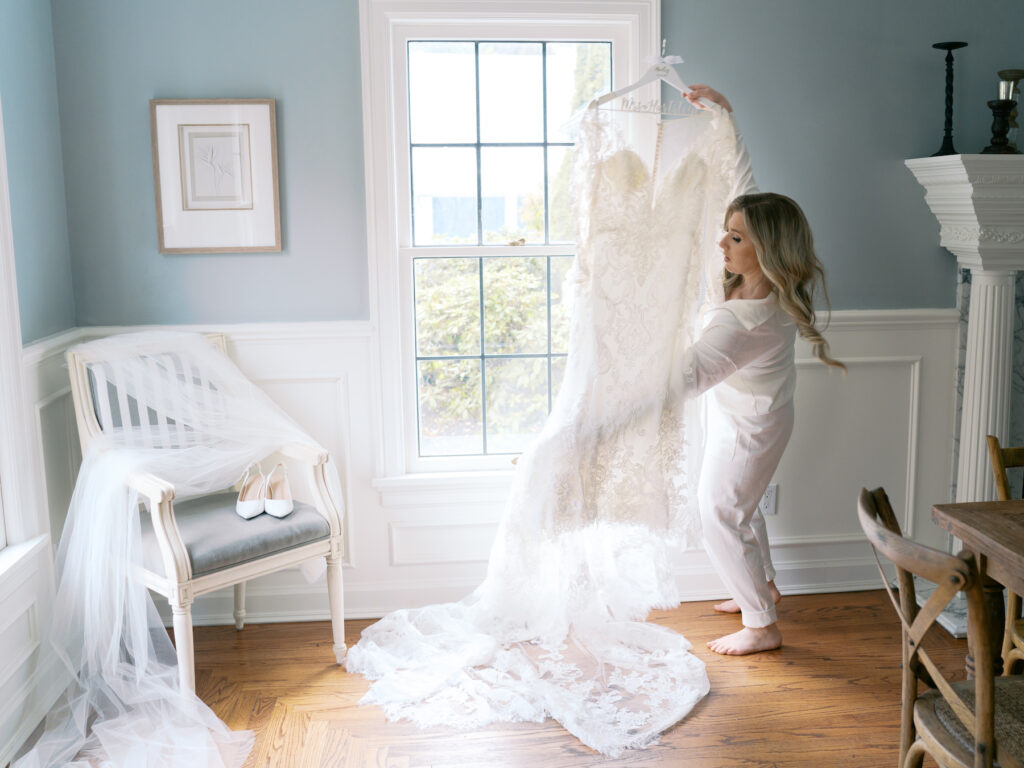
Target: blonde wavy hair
(784, 246)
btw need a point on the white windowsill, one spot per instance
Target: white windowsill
(429, 488)
(13, 557)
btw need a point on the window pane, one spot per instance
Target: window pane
(511, 92)
(512, 183)
(450, 407)
(515, 305)
(489, 308)
(442, 93)
(447, 306)
(557, 375)
(560, 228)
(517, 402)
(576, 73)
(559, 305)
(444, 195)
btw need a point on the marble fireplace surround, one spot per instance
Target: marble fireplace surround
(979, 203)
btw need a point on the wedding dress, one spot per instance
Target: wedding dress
(605, 495)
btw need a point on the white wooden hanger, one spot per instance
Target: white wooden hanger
(661, 68)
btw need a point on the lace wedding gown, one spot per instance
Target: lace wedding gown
(606, 493)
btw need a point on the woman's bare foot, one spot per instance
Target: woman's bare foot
(730, 606)
(748, 640)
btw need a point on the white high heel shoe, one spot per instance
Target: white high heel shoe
(251, 493)
(279, 501)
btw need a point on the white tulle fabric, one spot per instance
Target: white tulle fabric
(125, 707)
(603, 497)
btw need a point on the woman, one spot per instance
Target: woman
(746, 353)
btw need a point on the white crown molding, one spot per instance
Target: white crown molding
(979, 203)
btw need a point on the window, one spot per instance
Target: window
(468, 123)
(490, 157)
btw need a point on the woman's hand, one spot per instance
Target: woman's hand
(707, 92)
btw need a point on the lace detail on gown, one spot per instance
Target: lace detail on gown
(602, 498)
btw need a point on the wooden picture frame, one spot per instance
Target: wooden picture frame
(215, 175)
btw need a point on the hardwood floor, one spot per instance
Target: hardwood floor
(829, 697)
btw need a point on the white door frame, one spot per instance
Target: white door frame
(31, 675)
(24, 519)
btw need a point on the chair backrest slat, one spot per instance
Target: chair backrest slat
(135, 396)
(121, 393)
(95, 384)
(158, 417)
(1001, 460)
(101, 388)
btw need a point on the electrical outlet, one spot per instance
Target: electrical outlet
(767, 505)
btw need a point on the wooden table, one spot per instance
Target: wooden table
(994, 532)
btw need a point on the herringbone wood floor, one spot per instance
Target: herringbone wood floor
(829, 697)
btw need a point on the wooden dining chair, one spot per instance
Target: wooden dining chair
(1013, 635)
(973, 723)
(198, 545)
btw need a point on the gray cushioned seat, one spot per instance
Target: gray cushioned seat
(216, 537)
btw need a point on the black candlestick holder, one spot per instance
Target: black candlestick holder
(947, 139)
(1000, 145)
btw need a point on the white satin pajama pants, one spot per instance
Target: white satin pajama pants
(740, 457)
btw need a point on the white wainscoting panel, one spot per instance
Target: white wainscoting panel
(418, 539)
(30, 678)
(53, 423)
(436, 543)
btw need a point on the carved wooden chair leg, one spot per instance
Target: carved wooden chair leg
(239, 605)
(182, 615)
(336, 597)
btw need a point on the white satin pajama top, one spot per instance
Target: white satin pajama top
(747, 349)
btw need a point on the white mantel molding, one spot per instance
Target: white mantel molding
(979, 202)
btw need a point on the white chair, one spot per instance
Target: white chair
(201, 545)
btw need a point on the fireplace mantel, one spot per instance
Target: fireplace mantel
(979, 203)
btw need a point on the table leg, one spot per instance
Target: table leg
(996, 610)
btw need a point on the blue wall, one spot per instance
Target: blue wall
(113, 56)
(28, 92)
(832, 97)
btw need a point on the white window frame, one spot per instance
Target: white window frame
(386, 27)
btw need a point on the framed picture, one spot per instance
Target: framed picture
(215, 175)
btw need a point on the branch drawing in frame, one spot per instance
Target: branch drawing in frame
(215, 175)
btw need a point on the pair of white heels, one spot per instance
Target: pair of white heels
(264, 493)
